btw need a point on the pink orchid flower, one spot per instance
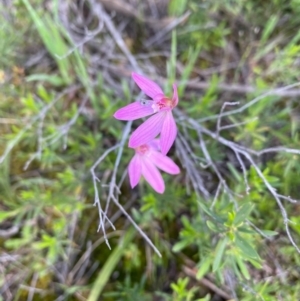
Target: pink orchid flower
(145, 162)
(162, 122)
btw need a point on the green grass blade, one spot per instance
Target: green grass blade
(219, 254)
(52, 40)
(194, 54)
(171, 64)
(110, 265)
(270, 26)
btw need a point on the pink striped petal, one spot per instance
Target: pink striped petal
(175, 95)
(147, 131)
(164, 163)
(149, 87)
(135, 170)
(152, 175)
(168, 133)
(134, 111)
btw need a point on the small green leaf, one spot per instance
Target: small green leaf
(52, 79)
(206, 298)
(179, 246)
(246, 248)
(243, 267)
(243, 214)
(269, 233)
(212, 226)
(210, 213)
(219, 253)
(234, 172)
(255, 263)
(246, 230)
(231, 216)
(204, 267)
(5, 215)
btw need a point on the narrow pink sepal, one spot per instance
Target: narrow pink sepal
(164, 163)
(149, 87)
(152, 175)
(134, 111)
(135, 170)
(168, 133)
(175, 95)
(147, 131)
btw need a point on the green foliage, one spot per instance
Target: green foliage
(48, 145)
(49, 33)
(181, 291)
(177, 7)
(130, 292)
(109, 266)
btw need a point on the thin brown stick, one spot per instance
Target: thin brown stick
(207, 283)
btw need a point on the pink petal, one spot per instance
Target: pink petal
(164, 163)
(155, 144)
(152, 175)
(134, 111)
(135, 170)
(147, 131)
(149, 87)
(175, 95)
(168, 133)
